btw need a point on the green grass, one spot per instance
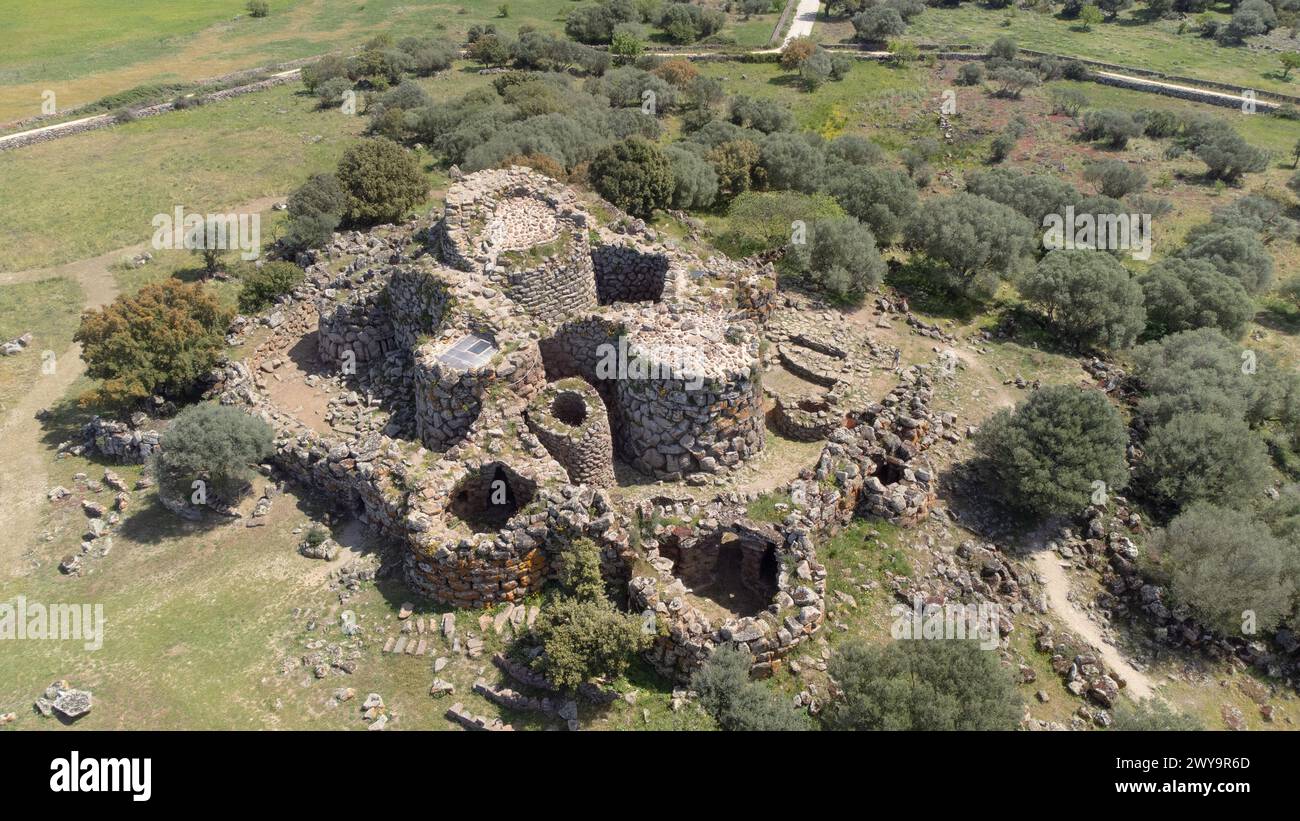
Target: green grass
(1131, 41)
(97, 192)
(49, 310)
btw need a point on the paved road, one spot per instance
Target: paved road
(805, 14)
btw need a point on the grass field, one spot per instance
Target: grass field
(48, 309)
(1130, 40)
(122, 44)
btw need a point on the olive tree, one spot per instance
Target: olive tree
(1087, 295)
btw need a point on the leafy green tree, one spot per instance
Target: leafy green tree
(1227, 156)
(1235, 253)
(883, 199)
(330, 93)
(760, 221)
(382, 180)
(1224, 564)
(1089, 296)
(585, 638)
(1089, 16)
(1151, 715)
(215, 444)
(159, 341)
(970, 74)
(490, 50)
(315, 209)
(1032, 195)
(326, 68)
(850, 149)
(1003, 48)
(1198, 371)
(761, 114)
(1203, 457)
(1012, 81)
(840, 258)
(578, 569)
(1290, 61)
(877, 24)
(1111, 127)
(977, 239)
(921, 685)
(1046, 454)
(738, 703)
(695, 183)
(259, 286)
(792, 161)
(736, 163)
(634, 175)
(1185, 294)
(1114, 178)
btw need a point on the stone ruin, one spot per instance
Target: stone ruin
(473, 387)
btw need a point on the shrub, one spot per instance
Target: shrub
(585, 638)
(1068, 101)
(1112, 127)
(792, 161)
(796, 52)
(330, 93)
(816, 69)
(855, 150)
(1196, 372)
(382, 181)
(314, 211)
(428, 55)
(1089, 296)
(1034, 196)
(978, 239)
(1114, 178)
(767, 116)
(1012, 81)
(883, 199)
(921, 685)
(258, 8)
(840, 258)
(1236, 254)
(1047, 453)
(1223, 563)
(634, 175)
(260, 286)
(970, 74)
(326, 68)
(735, 701)
(695, 183)
(159, 341)
(736, 164)
(878, 24)
(215, 444)
(1003, 48)
(1227, 156)
(1151, 715)
(578, 570)
(1001, 147)
(1200, 457)
(1185, 294)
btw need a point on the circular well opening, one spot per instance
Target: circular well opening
(570, 408)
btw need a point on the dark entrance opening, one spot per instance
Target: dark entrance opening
(736, 573)
(486, 500)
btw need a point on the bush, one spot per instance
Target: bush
(735, 701)
(1185, 294)
(382, 180)
(1033, 196)
(1047, 453)
(736, 164)
(328, 67)
(578, 570)
(1089, 296)
(1233, 253)
(1012, 81)
(883, 199)
(878, 24)
(428, 56)
(921, 685)
(854, 150)
(970, 74)
(330, 93)
(1223, 564)
(314, 211)
(760, 221)
(260, 286)
(258, 8)
(978, 239)
(767, 116)
(840, 258)
(1068, 101)
(1112, 127)
(585, 638)
(634, 175)
(1114, 178)
(1001, 147)
(1227, 156)
(792, 161)
(215, 444)
(1003, 48)
(1151, 715)
(159, 341)
(1202, 457)
(1197, 372)
(796, 52)
(695, 183)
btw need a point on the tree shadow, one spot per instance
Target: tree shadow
(154, 524)
(927, 286)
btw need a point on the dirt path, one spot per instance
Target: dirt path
(1056, 583)
(23, 477)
